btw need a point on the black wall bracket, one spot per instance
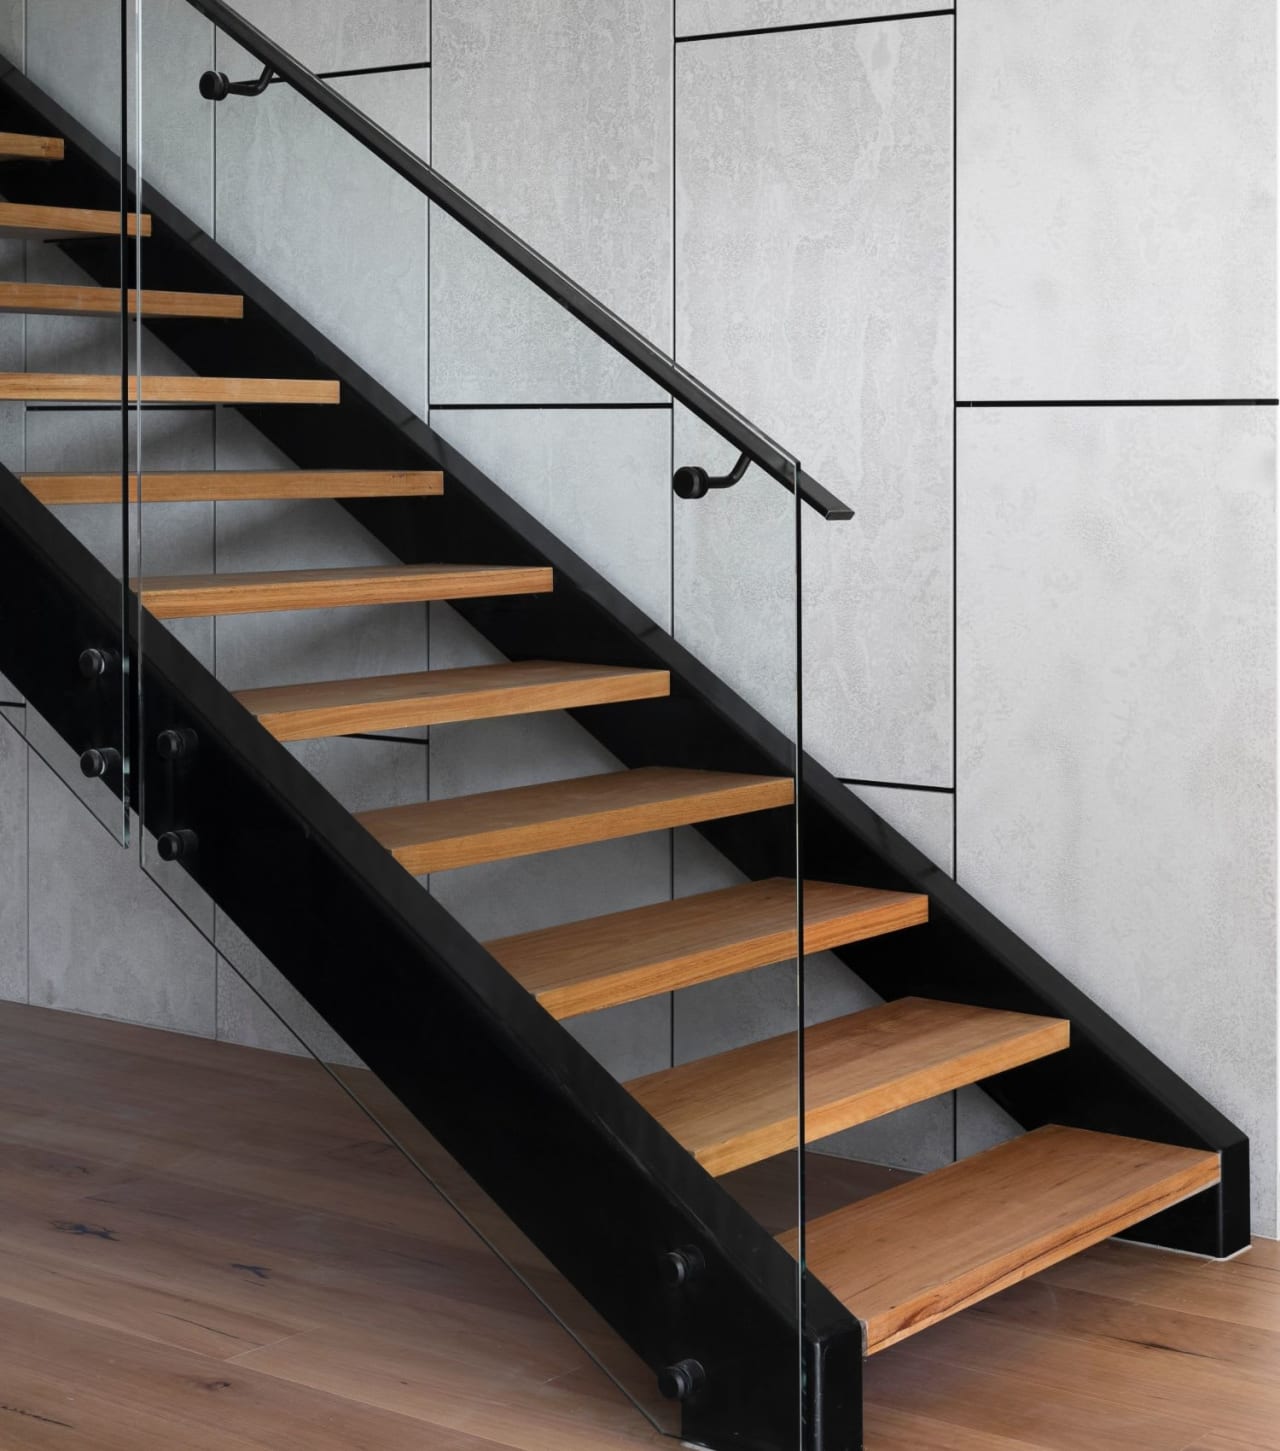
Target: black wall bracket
(692, 482)
(214, 85)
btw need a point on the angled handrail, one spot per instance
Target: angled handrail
(576, 300)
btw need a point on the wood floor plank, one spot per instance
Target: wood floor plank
(738, 1107)
(14, 146)
(908, 1258)
(22, 222)
(178, 597)
(438, 836)
(229, 485)
(602, 961)
(974, 1400)
(167, 1316)
(73, 1387)
(105, 388)
(895, 1429)
(70, 300)
(1146, 1373)
(1175, 1282)
(392, 1375)
(434, 697)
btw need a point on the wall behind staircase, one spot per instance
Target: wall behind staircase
(1043, 649)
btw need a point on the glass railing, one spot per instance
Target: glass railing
(330, 330)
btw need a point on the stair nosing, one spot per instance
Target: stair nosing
(1001, 1041)
(544, 833)
(719, 954)
(482, 693)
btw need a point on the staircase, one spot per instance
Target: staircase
(468, 1035)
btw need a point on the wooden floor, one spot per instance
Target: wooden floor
(208, 1248)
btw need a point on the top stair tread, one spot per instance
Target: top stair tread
(15, 146)
(434, 697)
(158, 388)
(70, 300)
(739, 1107)
(23, 222)
(459, 831)
(186, 596)
(909, 1257)
(616, 958)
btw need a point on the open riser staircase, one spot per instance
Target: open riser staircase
(616, 1183)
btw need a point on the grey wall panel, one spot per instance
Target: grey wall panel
(73, 52)
(599, 478)
(1117, 710)
(814, 234)
(1116, 199)
(700, 17)
(344, 34)
(13, 862)
(13, 20)
(130, 954)
(556, 118)
(980, 1124)
(925, 818)
(332, 229)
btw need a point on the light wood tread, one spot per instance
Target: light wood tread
(224, 485)
(907, 1258)
(14, 146)
(437, 836)
(50, 224)
(187, 596)
(739, 1107)
(105, 388)
(603, 961)
(434, 697)
(73, 301)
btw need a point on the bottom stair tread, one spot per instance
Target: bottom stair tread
(905, 1259)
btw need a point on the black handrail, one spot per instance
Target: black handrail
(589, 310)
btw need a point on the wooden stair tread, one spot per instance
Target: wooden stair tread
(14, 146)
(105, 388)
(739, 1107)
(198, 486)
(187, 596)
(26, 223)
(909, 1257)
(73, 301)
(433, 697)
(436, 836)
(616, 958)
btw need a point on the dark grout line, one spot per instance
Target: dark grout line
(1118, 403)
(115, 407)
(535, 407)
(394, 740)
(955, 450)
(898, 785)
(811, 25)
